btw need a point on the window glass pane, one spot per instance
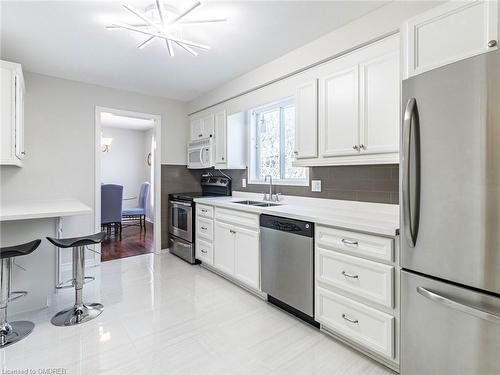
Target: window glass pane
(268, 144)
(291, 172)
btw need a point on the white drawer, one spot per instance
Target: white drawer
(356, 243)
(367, 326)
(204, 228)
(236, 217)
(204, 251)
(205, 211)
(371, 280)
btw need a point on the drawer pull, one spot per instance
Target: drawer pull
(349, 242)
(350, 275)
(204, 211)
(204, 228)
(232, 231)
(350, 320)
(204, 251)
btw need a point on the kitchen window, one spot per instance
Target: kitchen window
(272, 137)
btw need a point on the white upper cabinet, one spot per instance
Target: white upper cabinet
(379, 104)
(196, 129)
(448, 33)
(306, 120)
(358, 109)
(221, 137)
(339, 111)
(203, 127)
(12, 114)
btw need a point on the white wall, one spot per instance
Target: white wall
(125, 162)
(59, 162)
(376, 24)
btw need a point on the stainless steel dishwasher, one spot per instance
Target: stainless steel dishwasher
(287, 264)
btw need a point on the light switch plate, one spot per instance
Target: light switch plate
(316, 185)
(244, 182)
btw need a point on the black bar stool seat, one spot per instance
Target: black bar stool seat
(93, 239)
(19, 250)
(12, 332)
(80, 312)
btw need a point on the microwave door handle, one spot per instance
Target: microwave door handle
(411, 133)
(201, 157)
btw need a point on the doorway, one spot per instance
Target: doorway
(127, 182)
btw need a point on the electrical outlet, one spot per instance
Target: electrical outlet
(316, 185)
(244, 182)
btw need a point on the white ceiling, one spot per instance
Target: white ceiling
(68, 39)
(111, 120)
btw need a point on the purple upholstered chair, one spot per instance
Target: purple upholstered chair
(139, 212)
(111, 207)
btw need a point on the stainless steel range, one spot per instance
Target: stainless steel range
(182, 218)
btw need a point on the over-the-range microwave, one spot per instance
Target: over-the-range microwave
(200, 154)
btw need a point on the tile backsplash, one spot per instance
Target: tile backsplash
(367, 183)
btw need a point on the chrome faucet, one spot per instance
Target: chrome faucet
(270, 197)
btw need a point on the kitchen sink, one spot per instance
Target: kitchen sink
(257, 203)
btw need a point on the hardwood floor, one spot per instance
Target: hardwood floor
(134, 241)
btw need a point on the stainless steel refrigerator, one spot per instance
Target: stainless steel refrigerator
(450, 219)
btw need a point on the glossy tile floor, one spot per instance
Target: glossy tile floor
(164, 316)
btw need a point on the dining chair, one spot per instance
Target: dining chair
(139, 212)
(111, 207)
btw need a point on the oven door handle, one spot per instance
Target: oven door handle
(175, 203)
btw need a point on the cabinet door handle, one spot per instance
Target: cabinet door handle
(349, 242)
(362, 147)
(200, 135)
(350, 275)
(204, 251)
(350, 320)
(492, 43)
(355, 147)
(232, 231)
(204, 228)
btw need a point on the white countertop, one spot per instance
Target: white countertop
(43, 209)
(376, 218)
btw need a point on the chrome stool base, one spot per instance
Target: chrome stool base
(77, 315)
(15, 331)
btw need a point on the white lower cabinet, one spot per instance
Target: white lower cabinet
(367, 326)
(224, 248)
(204, 251)
(247, 257)
(237, 248)
(356, 286)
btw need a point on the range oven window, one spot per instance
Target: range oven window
(180, 217)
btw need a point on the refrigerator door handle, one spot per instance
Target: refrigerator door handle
(474, 311)
(411, 132)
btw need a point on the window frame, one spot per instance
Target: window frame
(253, 164)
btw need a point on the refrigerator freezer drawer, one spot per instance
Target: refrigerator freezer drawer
(364, 278)
(447, 329)
(362, 324)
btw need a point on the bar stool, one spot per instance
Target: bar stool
(13, 331)
(80, 312)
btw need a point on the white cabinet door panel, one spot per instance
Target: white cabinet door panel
(369, 327)
(448, 33)
(220, 137)
(306, 120)
(247, 257)
(208, 126)
(363, 278)
(379, 103)
(224, 248)
(196, 129)
(339, 112)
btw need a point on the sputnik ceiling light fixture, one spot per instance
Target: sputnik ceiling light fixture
(165, 22)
